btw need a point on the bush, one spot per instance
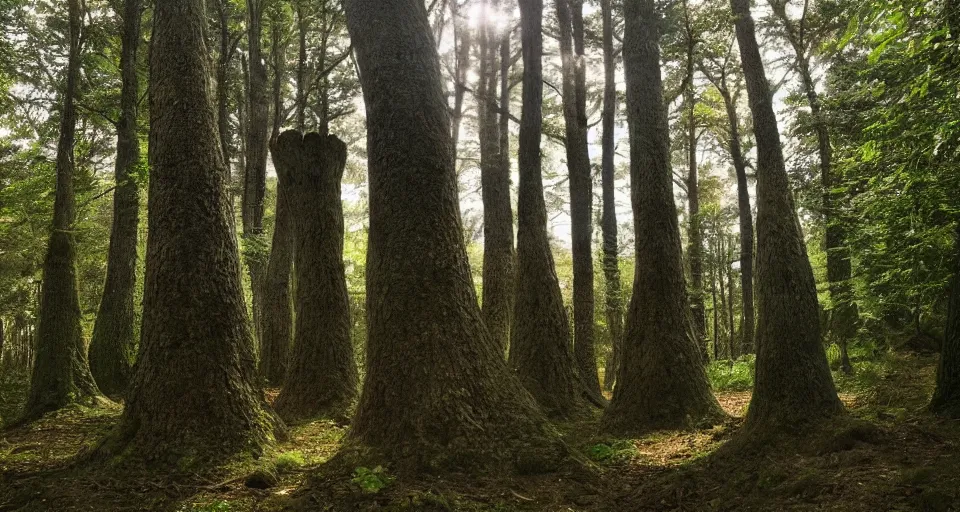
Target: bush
(732, 375)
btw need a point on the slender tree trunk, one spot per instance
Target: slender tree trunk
(946, 396)
(662, 383)
(113, 347)
(504, 120)
(722, 275)
(695, 247)
(462, 45)
(581, 192)
(540, 349)
(277, 315)
(227, 48)
(608, 222)
(437, 393)
(792, 385)
(499, 267)
(322, 381)
(255, 173)
(61, 373)
(716, 315)
(303, 26)
(731, 304)
(193, 396)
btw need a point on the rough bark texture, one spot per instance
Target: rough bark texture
(499, 258)
(322, 381)
(255, 172)
(113, 347)
(540, 349)
(608, 222)
(946, 397)
(228, 45)
(277, 310)
(437, 393)
(662, 383)
(570, 18)
(695, 235)
(193, 395)
(61, 374)
(792, 385)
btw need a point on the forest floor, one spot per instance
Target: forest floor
(893, 456)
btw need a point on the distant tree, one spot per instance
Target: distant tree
(662, 383)
(437, 393)
(61, 372)
(540, 339)
(112, 345)
(193, 396)
(322, 379)
(793, 385)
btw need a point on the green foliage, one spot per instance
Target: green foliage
(213, 506)
(288, 461)
(614, 451)
(371, 480)
(732, 375)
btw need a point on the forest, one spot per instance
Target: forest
(480, 255)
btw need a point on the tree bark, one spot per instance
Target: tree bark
(113, 347)
(61, 372)
(437, 393)
(540, 349)
(608, 222)
(570, 17)
(662, 383)
(322, 381)
(946, 396)
(255, 172)
(462, 43)
(193, 397)
(792, 385)
(499, 266)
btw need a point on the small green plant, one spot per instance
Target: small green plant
(215, 506)
(288, 461)
(371, 480)
(614, 451)
(732, 376)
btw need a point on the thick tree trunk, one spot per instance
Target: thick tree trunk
(61, 374)
(946, 397)
(570, 17)
(437, 393)
(322, 381)
(277, 310)
(193, 396)
(499, 267)
(662, 383)
(540, 349)
(793, 385)
(608, 222)
(255, 172)
(113, 347)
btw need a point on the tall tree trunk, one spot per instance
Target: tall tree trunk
(608, 222)
(303, 26)
(504, 120)
(723, 272)
(228, 46)
(946, 396)
(462, 44)
(322, 381)
(540, 349)
(193, 396)
(731, 303)
(498, 254)
(570, 17)
(255, 173)
(662, 383)
(61, 373)
(277, 315)
(746, 222)
(792, 383)
(716, 312)
(113, 347)
(437, 393)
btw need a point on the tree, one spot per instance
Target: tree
(61, 373)
(540, 338)
(573, 63)
(255, 171)
(112, 345)
(843, 312)
(322, 380)
(662, 383)
(499, 258)
(946, 396)
(608, 221)
(792, 385)
(437, 392)
(193, 395)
